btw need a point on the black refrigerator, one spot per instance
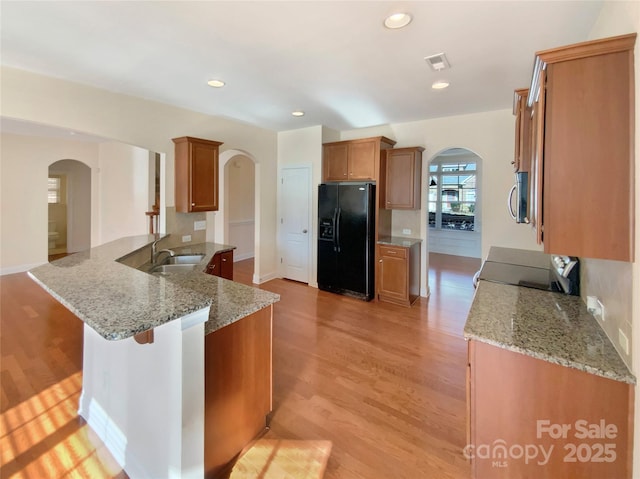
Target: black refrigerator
(346, 249)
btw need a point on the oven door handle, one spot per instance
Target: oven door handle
(510, 201)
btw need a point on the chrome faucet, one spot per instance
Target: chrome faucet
(155, 254)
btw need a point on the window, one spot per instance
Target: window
(54, 190)
(452, 195)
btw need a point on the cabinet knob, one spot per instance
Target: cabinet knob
(224, 259)
(193, 204)
(379, 261)
(304, 231)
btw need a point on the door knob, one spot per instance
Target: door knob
(304, 231)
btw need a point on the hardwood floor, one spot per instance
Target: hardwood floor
(361, 390)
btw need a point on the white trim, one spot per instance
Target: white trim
(241, 257)
(20, 268)
(107, 430)
(195, 318)
(242, 222)
(265, 278)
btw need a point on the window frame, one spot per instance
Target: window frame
(440, 187)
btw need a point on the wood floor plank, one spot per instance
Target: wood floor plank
(381, 388)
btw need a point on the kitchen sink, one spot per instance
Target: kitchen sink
(187, 259)
(173, 268)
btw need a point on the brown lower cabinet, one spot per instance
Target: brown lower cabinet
(238, 388)
(221, 265)
(399, 273)
(532, 418)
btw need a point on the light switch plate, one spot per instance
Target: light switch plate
(406, 231)
(624, 342)
(200, 225)
(186, 238)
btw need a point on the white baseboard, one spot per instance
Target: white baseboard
(108, 432)
(264, 278)
(243, 256)
(19, 269)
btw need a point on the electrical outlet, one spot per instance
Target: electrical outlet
(186, 238)
(601, 307)
(200, 225)
(406, 231)
(624, 342)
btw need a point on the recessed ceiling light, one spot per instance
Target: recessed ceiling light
(440, 85)
(397, 20)
(215, 83)
(297, 113)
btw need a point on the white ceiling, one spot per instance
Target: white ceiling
(334, 60)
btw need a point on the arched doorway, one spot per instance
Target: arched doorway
(69, 208)
(240, 194)
(454, 206)
(221, 234)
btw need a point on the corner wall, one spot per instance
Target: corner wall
(618, 18)
(134, 121)
(24, 162)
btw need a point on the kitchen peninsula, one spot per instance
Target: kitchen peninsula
(166, 357)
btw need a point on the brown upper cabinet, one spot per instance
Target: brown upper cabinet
(403, 178)
(582, 131)
(522, 155)
(353, 160)
(196, 174)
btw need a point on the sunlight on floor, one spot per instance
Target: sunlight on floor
(44, 437)
(283, 459)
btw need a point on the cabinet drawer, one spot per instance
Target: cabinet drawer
(395, 252)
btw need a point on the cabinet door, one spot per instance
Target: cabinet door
(512, 394)
(335, 163)
(214, 265)
(362, 160)
(204, 177)
(196, 174)
(226, 265)
(403, 174)
(393, 271)
(588, 166)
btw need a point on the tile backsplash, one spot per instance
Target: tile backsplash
(610, 282)
(180, 224)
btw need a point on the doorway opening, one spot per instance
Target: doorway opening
(240, 175)
(454, 203)
(237, 222)
(69, 208)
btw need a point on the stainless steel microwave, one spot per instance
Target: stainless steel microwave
(519, 193)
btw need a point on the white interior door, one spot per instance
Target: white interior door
(295, 201)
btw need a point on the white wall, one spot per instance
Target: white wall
(124, 190)
(133, 121)
(23, 192)
(490, 135)
(618, 18)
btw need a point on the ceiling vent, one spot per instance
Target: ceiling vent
(437, 62)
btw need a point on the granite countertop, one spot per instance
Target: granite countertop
(550, 326)
(120, 301)
(403, 241)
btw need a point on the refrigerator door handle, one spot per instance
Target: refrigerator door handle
(337, 227)
(335, 241)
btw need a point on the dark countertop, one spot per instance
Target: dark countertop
(120, 301)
